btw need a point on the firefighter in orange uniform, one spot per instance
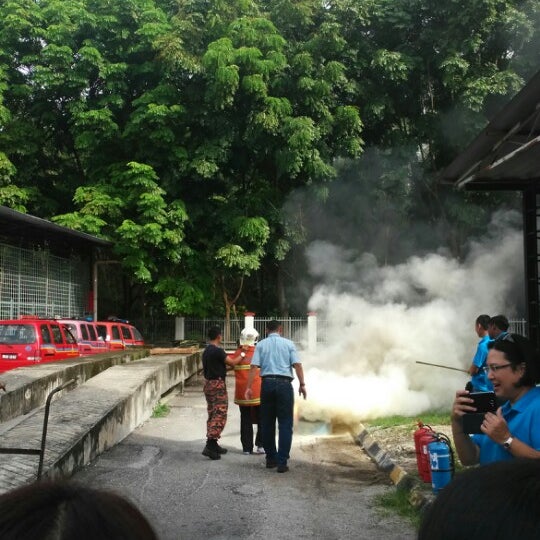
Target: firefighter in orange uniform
(249, 409)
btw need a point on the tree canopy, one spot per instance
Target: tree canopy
(182, 131)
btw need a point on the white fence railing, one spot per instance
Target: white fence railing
(196, 329)
(299, 329)
(518, 326)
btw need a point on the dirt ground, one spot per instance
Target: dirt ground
(341, 457)
(398, 441)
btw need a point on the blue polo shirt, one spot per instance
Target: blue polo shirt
(480, 380)
(523, 419)
(275, 355)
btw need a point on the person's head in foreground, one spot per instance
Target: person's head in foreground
(63, 510)
(493, 502)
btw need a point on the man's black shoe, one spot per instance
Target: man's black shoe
(282, 468)
(212, 454)
(221, 450)
(270, 464)
(211, 449)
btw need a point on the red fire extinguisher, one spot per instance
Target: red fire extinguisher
(422, 437)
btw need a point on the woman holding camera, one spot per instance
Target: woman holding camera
(514, 429)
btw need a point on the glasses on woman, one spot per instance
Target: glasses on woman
(494, 367)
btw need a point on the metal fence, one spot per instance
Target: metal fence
(518, 326)
(196, 329)
(162, 331)
(156, 331)
(33, 281)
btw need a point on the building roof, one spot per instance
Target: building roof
(18, 226)
(506, 154)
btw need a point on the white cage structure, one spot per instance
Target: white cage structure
(36, 282)
(45, 269)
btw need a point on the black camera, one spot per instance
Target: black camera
(484, 402)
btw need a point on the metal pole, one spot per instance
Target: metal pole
(444, 367)
(95, 288)
(46, 423)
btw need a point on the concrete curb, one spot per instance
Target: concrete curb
(399, 477)
(92, 418)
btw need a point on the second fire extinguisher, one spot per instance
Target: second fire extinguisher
(441, 461)
(422, 437)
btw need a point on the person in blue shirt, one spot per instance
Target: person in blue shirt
(498, 327)
(479, 380)
(276, 357)
(514, 429)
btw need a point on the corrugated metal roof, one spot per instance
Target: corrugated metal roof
(506, 154)
(16, 224)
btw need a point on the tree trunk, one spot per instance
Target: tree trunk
(229, 303)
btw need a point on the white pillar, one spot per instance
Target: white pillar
(249, 319)
(179, 328)
(312, 331)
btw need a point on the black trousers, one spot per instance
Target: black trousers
(248, 417)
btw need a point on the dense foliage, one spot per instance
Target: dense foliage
(211, 140)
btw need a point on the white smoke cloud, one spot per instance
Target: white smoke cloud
(382, 320)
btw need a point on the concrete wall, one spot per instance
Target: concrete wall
(27, 388)
(92, 417)
(127, 395)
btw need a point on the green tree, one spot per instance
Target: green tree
(182, 130)
(431, 76)
(88, 123)
(270, 120)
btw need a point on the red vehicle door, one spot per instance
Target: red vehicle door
(110, 331)
(64, 343)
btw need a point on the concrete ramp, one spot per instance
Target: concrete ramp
(92, 418)
(27, 388)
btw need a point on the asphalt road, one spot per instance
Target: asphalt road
(328, 493)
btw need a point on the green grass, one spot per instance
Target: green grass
(430, 418)
(160, 410)
(396, 501)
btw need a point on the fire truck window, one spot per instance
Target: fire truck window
(115, 332)
(84, 332)
(102, 331)
(72, 328)
(57, 334)
(92, 332)
(26, 334)
(126, 334)
(45, 334)
(6, 333)
(70, 338)
(137, 334)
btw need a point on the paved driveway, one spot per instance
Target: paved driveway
(328, 492)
